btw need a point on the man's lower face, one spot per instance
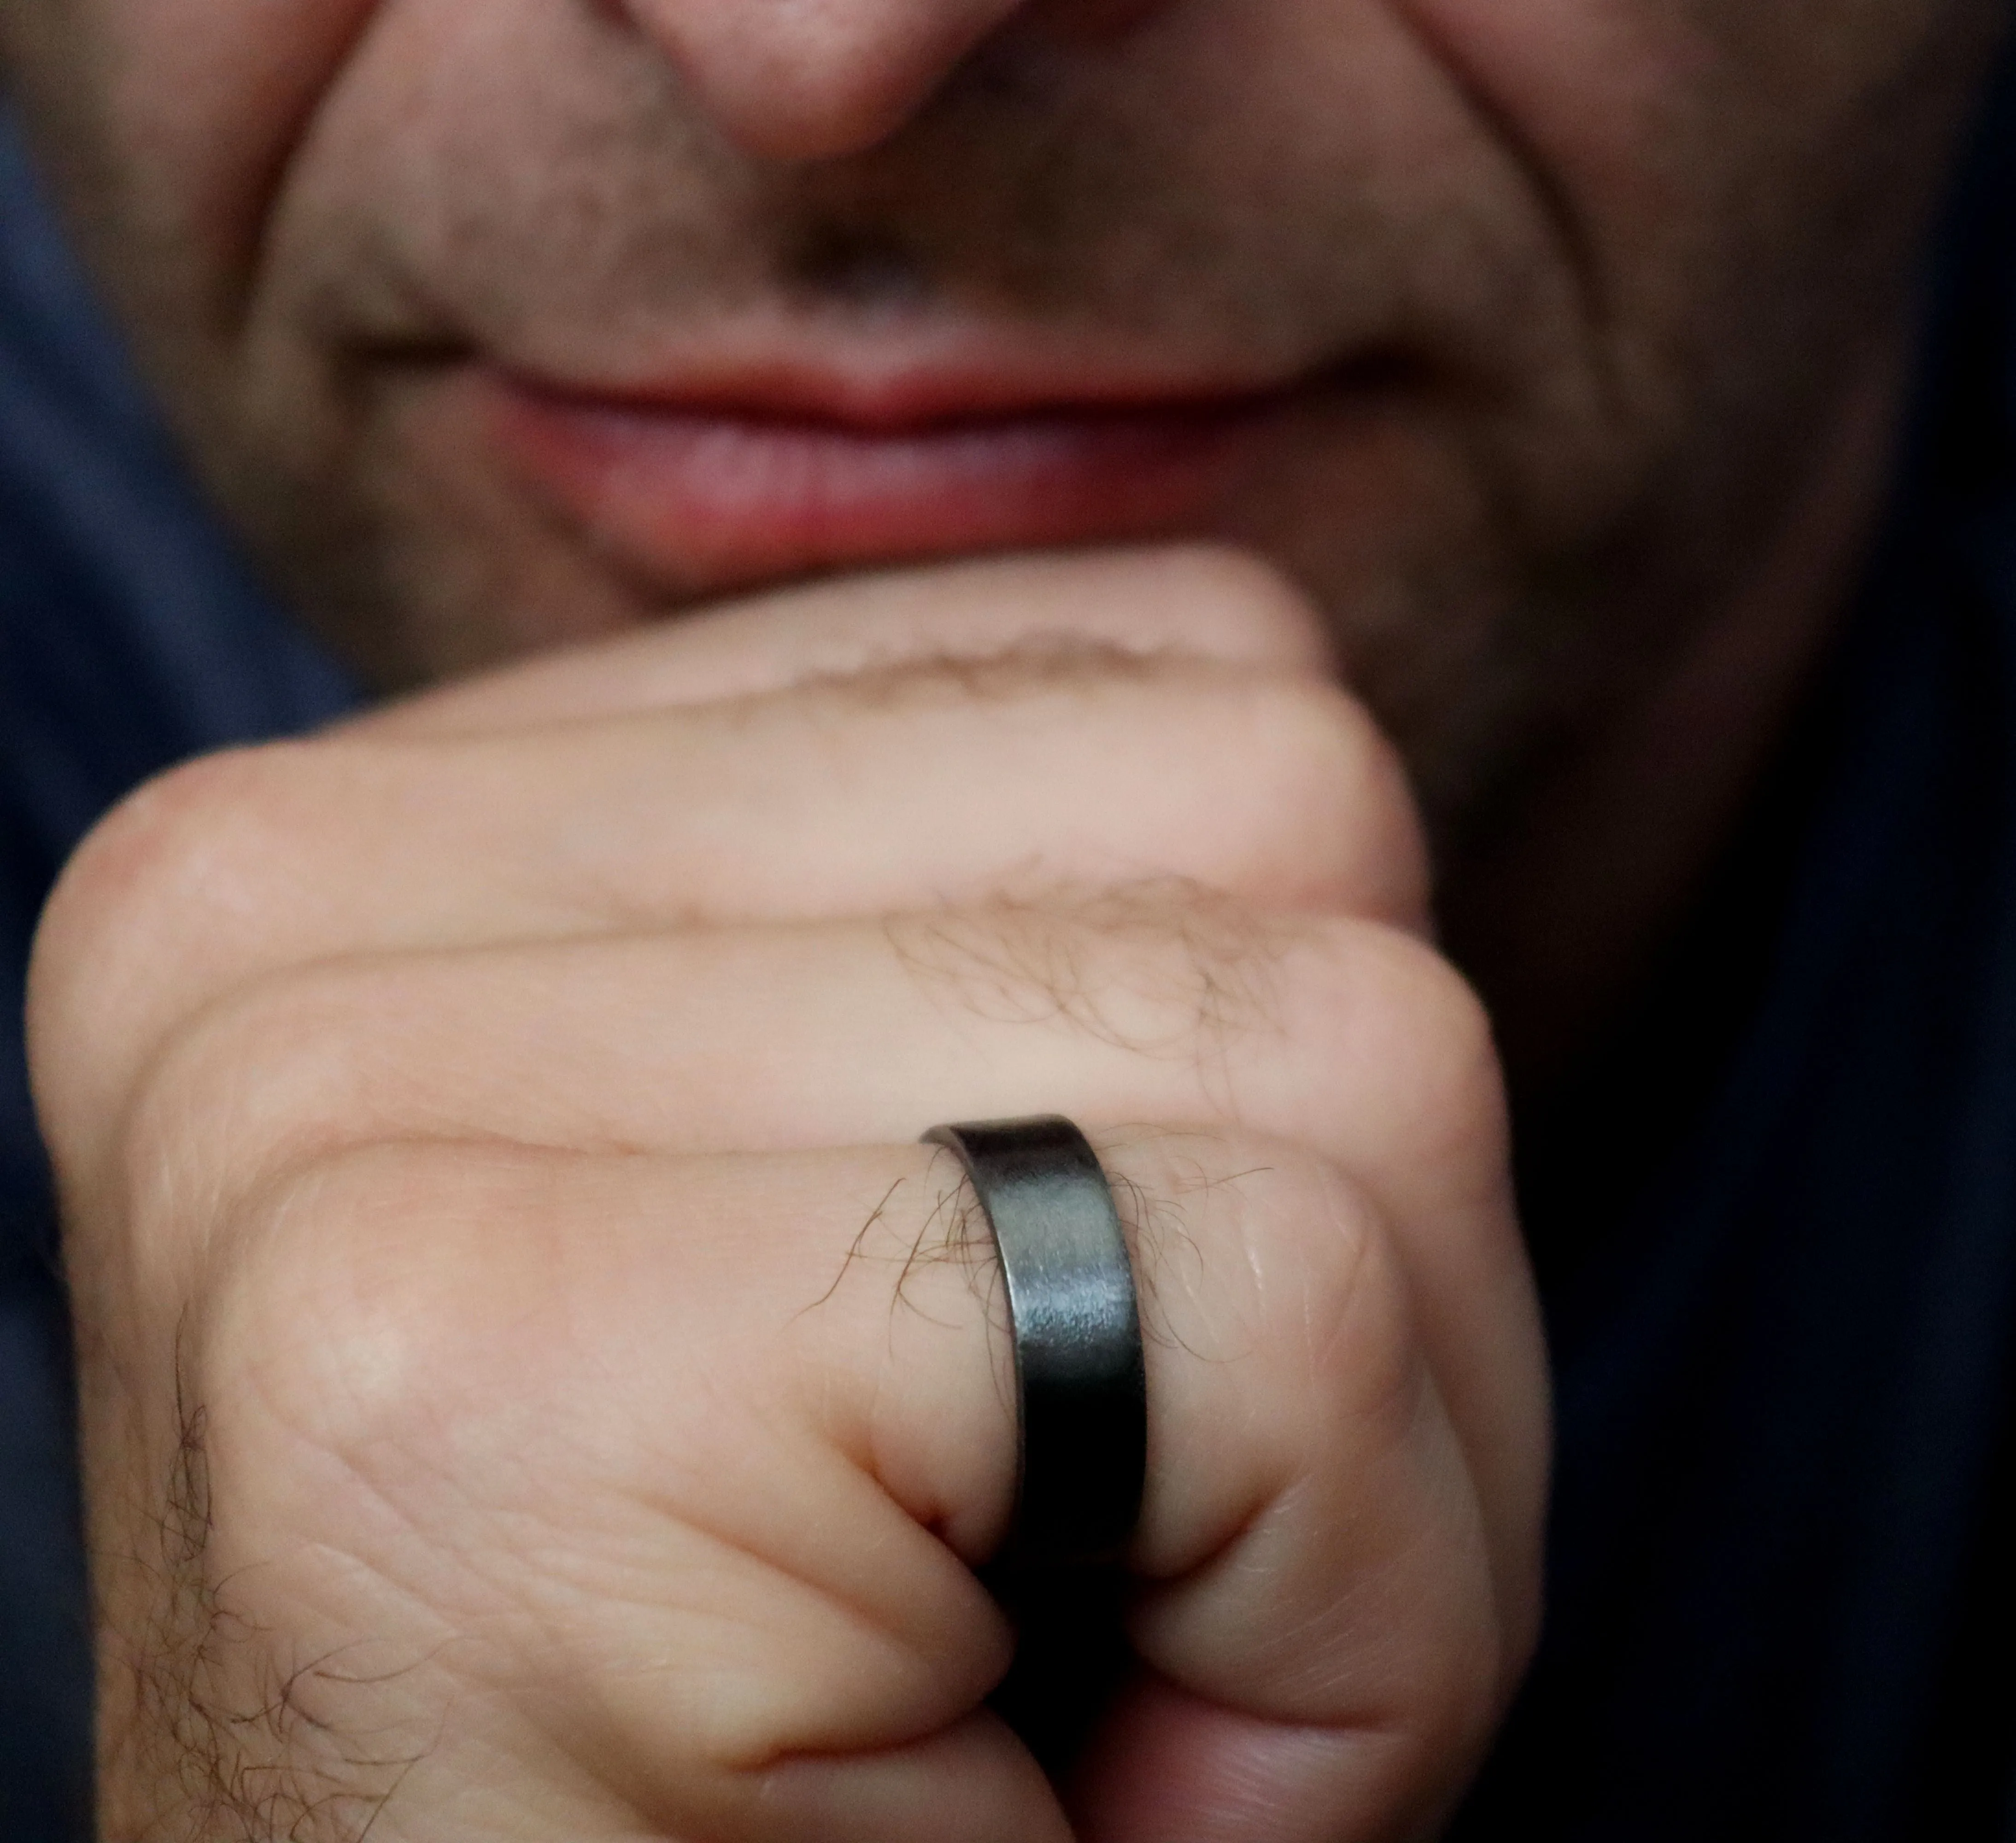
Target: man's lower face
(1508, 331)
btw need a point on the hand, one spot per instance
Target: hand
(534, 1384)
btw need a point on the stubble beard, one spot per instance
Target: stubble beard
(1587, 494)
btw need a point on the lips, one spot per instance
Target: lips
(737, 483)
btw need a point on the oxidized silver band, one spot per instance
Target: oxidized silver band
(1080, 1388)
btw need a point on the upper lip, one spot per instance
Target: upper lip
(874, 390)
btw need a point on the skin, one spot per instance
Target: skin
(532, 1383)
(1573, 250)
(607, 1455)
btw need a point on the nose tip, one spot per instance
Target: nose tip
(803, 79)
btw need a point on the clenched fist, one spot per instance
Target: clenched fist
(535, 1385)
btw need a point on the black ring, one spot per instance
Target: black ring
(1081, 1389)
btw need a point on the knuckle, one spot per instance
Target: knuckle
(1444, 1018)
(1333, 821)
(356, 1304)
(1284, 1260)
(1362, 1350)
(168, 876)
(1375, 1000)
(1339, 1318)
(284, 1067)
(1256, 599)
(187, 836)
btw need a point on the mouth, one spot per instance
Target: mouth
(701, 486)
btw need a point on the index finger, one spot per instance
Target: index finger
(1203, 602)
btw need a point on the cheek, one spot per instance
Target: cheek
(1697, 158)
(1686, 108)
(173, 121)
(1596, 98)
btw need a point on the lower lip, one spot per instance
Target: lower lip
(703, 499)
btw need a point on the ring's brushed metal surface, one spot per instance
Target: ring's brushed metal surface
(1076, 1324)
